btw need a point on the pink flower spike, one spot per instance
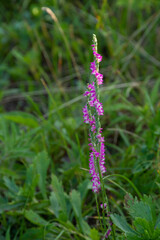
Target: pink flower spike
(91, 112)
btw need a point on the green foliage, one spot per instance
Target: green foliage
(144, 220)
(60, 196)
(120, 222)
(42, 163)
(76, 204)
(34, 218)
(45, 188)
(22, 118)
(94, 234)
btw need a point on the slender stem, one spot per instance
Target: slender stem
(103, 197)
(98, 212)
(108, 211)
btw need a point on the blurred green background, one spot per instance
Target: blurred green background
(45, 189)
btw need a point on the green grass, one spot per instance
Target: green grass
(45, 189)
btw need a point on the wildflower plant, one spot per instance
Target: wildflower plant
(91, 115)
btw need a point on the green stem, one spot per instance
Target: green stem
(98, 212)
(108, 211)
(105, 199)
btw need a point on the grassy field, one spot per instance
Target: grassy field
(45, 187)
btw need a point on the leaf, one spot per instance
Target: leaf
(85, 227)
(155, 91)
(140, 209)
(158, 222)
(42, 162)
(156, 234)
(59, 193)
(94, 234)
(76, 203)
(148, 101)
(10, 184)
(132, 236)
(59, 235)
(9, 206)
(35, 218)
(23, 118)
(54, 204)
(142, 226)
(32, 233)
(68, 225)
(31, 181)
(83, 188)
(148, 200)
(8, 234)
(121, 223)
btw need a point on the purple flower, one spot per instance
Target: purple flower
(105, 205)
(93, 101)
(102, 158)
(108, 233)
(98, 75)
(93, 68)
(86, 115)
(97, 55)
(95, 176)
(91, 111)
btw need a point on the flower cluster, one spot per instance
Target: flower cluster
(98, 75)
(91, 112)
(97, 55)
(93, 101)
